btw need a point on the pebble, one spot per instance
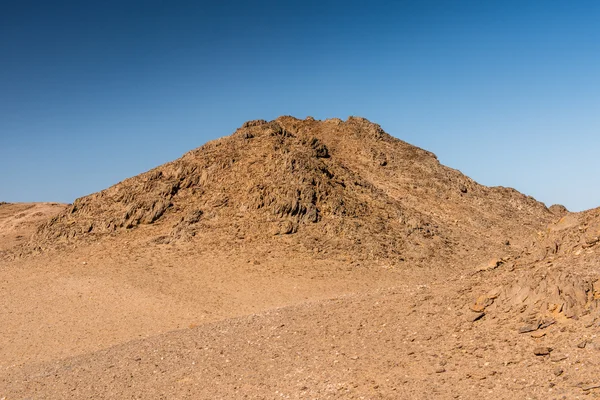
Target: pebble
(542, 351)
(477, 316)
(528, 328)
(558, 371)
(590, 387)
(558, 357)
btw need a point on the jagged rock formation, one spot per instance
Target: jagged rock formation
(557, 276)
(348, 184)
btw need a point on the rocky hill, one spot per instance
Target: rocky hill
(337, 187)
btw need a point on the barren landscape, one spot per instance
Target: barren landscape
(300, 259)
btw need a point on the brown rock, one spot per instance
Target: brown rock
(477, 316)
(558, 209)
(528, 328)
(542, 351)
(558, 357)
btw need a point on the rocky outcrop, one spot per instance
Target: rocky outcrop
(345, 183)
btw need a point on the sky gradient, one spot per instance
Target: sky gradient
(91, 93)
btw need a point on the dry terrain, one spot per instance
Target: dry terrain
(300, 259)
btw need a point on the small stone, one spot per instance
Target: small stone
(490, 265)
(546, 323)
(542, 351)
(477, 307)
(538, 334)
(558, 371)
(440, 370)
(558, 358)
(529, 328)
(582, 344)
(481, 303)
(477, 316)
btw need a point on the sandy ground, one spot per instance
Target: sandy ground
(407, 342)
(116, 319)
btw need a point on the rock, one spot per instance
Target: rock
(546, 323)
(256, 122)
(529, 328)
(558, 371)
(542, 351)
(590, 387)
(490, 265)
(287, 228)
(582, 345)
(481, 303)
(477, 316)
(477, 307)
(590, 242)
(558, 210)
(322, 151)
(538, 334)
(193, 217)
(558, 357)
(440, 370)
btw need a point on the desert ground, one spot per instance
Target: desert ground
(300, 259)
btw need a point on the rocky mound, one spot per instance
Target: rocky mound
(556, 277)
(335, 186)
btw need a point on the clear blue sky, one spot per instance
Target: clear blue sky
(92, 92)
